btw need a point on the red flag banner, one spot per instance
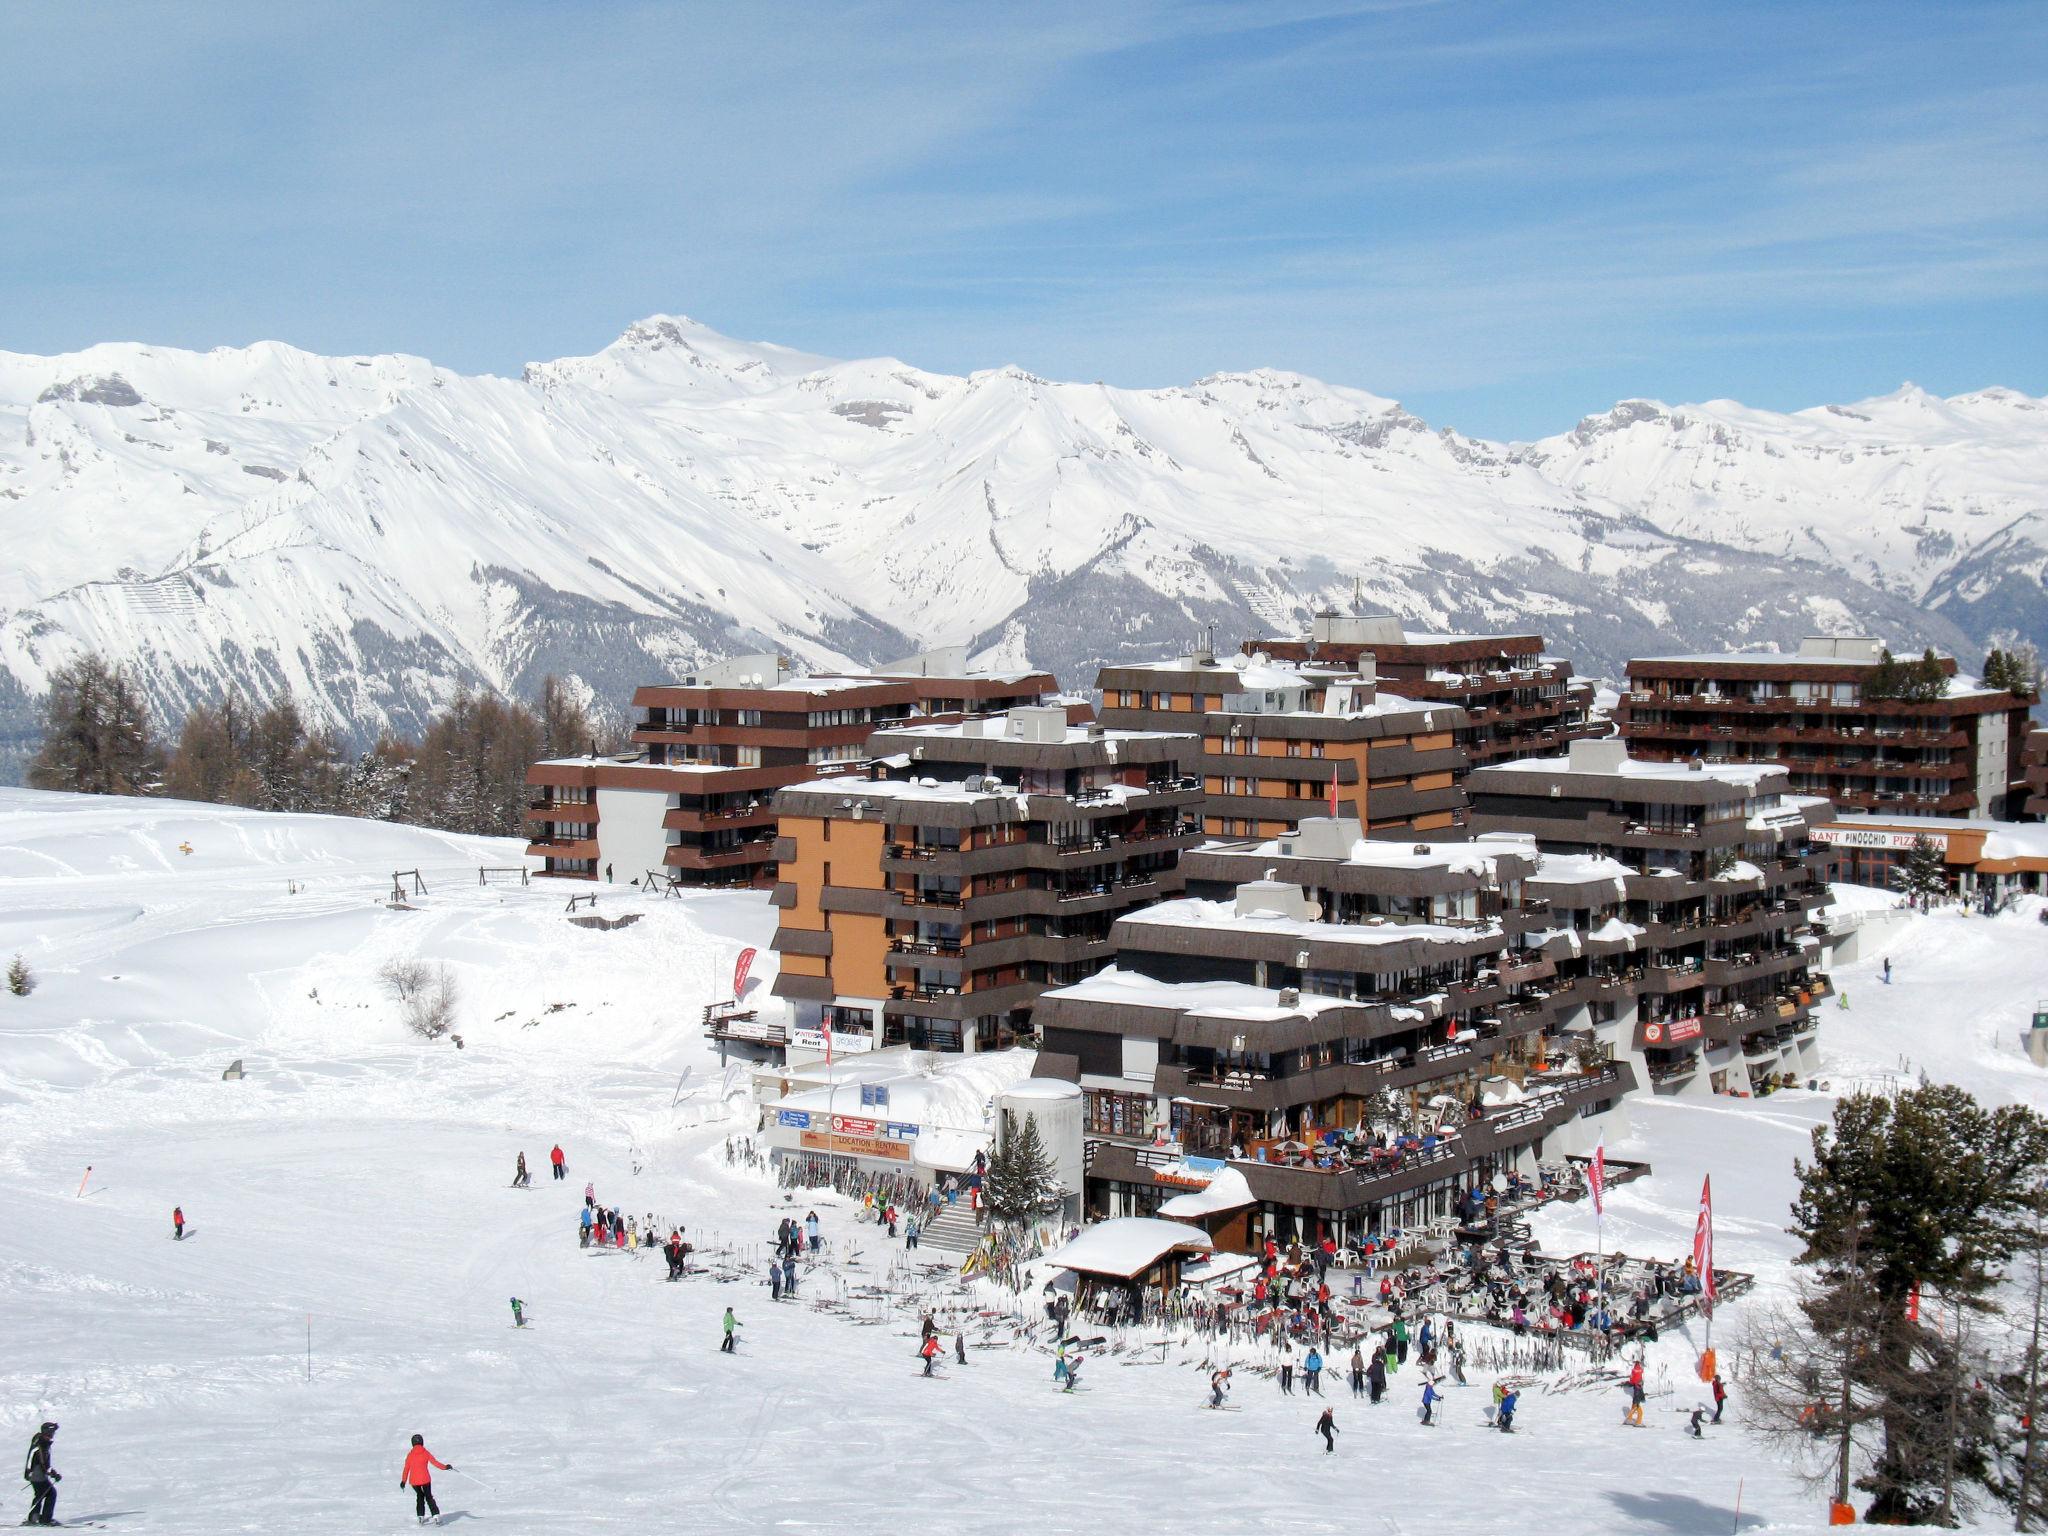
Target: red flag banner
(739, 973)
(1703, 1241)
(1596, 1177)
(1333, 794)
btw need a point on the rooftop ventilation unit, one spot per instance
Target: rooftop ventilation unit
(1290, 997)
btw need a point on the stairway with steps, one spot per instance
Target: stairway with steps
(953, 1229)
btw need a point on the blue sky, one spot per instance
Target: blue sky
(1506, 215)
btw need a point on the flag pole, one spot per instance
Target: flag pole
(1597, 1179)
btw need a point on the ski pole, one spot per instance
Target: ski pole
(477, 1480)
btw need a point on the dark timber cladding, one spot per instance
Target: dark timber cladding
(929, 900)
(2036, 763)
(1284, 741)
(1314, 992)
(1518, 702)
(1706, 927)
(1942, 745)
(729, 737)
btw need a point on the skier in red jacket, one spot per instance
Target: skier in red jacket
(420, 1480)
(561, 1163)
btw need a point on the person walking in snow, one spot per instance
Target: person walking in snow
(1357, 1372)
(1312, 1373)
(518, 1313)
(930, 1351)
(584, 1228)
(726, 1346)
(521, 1179)
(1505, 1419)
(41, 1477)
(419, 1477)
(1326, 1426)
(560, 1162)
(789, 1277)
(178, 1223)
(774, 1281)
(960, 1348)
(1887, 970)
(1692, 1423)
(811, 1230)
(1376, 1375)
(1720, 1397)
(1430, 1396)
(590, 1193)
(910, 1235)
(1073, 1373)
(1633, 1414)
(1286, 1368)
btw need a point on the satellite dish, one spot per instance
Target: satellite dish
(1500, 1184)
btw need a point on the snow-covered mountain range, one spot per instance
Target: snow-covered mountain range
(377, 531)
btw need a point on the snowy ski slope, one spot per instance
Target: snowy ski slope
(360, 1177)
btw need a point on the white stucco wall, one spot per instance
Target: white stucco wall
(630, 837)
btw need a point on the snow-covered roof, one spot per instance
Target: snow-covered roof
(1128, 1246)
(1212, 999)
(1228, 1191)
(952, 1095)
(1578, 869)
(950, 1151)
(1193, 912)
(1476, 857)
(1049, 1088)
(992, 728)
(922, 790)
(1748, 775)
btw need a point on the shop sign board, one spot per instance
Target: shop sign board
(1673, 1031)
(856, 1146)
(1867, 837)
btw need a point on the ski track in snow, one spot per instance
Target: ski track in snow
(361, 1177)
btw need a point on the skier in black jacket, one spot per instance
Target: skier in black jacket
(42, 1478)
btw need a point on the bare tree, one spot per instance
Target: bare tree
(1803, 1366)
(426, 995)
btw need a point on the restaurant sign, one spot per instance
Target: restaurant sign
(1862, 837)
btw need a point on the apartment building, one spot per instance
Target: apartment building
(1285, 741)
(693, 803)
(1518, 702)
(1689, 889)
(928, 900)
(1869, 737)
(1357, 1030)
(2034, 765)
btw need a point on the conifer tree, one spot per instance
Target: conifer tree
(1922, 874)
(96, 733)
(19, 979)
(1020, 1182)
(1905, 1200)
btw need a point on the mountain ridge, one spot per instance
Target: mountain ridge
(375, 532)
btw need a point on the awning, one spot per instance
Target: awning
(948, 1151)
